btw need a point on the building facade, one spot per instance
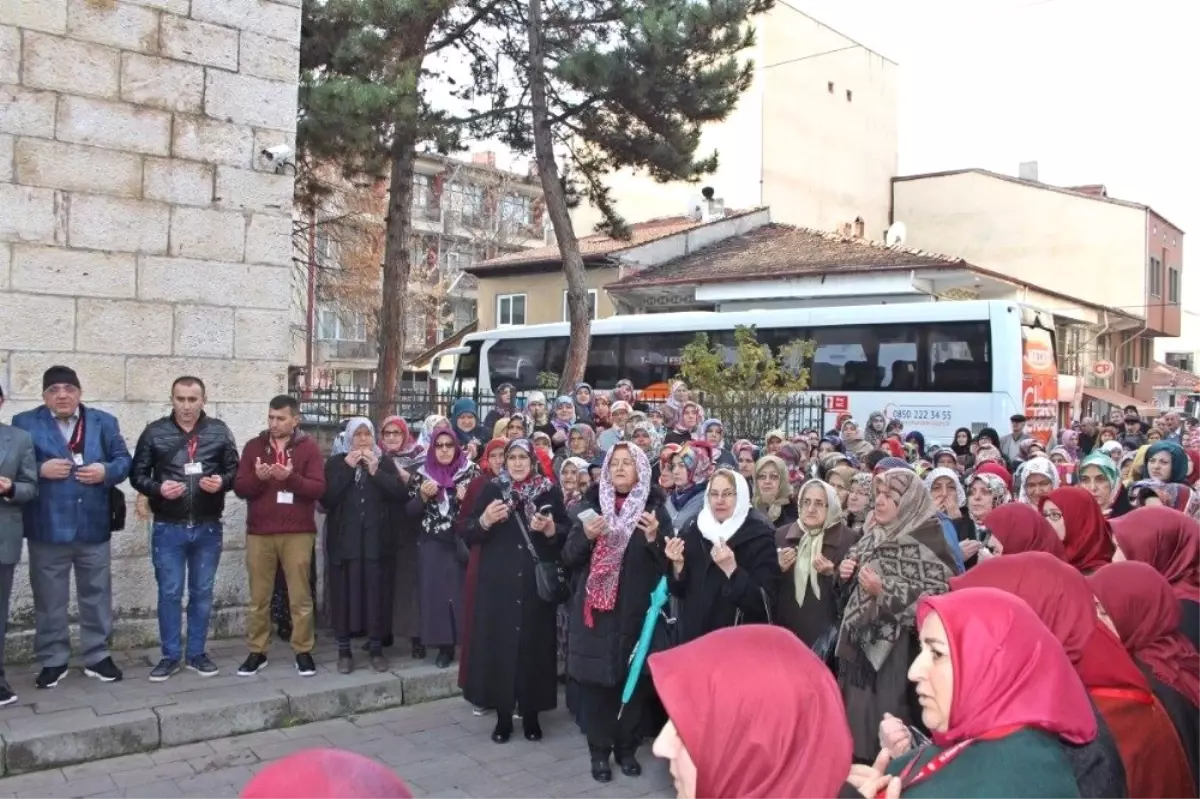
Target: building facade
(142, 235)
(814, 137)
(463, 211)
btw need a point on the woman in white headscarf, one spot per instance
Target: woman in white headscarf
(809, 551)
(725, 570)
(359, 485)
(1037, 477)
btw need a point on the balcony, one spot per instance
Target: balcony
(337, 350)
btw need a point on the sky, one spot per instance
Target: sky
(1093, 90)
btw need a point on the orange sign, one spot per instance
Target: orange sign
(1103, 369)
(1039, 384)
(837, 402)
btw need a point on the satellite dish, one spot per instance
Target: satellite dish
(896, 234)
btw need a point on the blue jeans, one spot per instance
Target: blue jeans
(173, 548)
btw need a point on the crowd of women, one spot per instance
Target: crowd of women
(849, 612)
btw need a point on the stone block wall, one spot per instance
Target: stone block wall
(142, 235)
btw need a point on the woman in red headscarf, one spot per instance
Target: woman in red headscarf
(753, 713)
(1081, 526)
(996, 691)
(1017, 527)
(491, 464)
(326, 774)
(1170, 542)
(1154, 761)
(1137, 600)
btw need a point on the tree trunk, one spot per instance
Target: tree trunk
(560, 213)
(396, 268)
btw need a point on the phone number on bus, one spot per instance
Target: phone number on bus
(921, 414)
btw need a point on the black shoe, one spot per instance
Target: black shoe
(253, 664)
(445, 657)
(164, 670)
(418, 649)
(503, 730)
(104, 671)
(601, 769)
(533, 730)
(50, 676)
(305, 666)
(203, 666)
(7, 697)
(630, 767)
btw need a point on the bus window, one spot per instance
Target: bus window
(865, 358)
(604, 362)
(653, 358)
(466, 371)
(517, 361)
(959, 356)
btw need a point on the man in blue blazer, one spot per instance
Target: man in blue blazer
(81, 456)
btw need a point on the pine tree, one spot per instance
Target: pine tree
(614, 84)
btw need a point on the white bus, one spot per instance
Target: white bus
(935, 366)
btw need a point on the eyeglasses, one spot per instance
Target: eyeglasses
(445, 445)
(392, 434)
(722, 495)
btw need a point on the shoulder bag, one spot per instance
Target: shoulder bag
(551, 577)
(738, 616)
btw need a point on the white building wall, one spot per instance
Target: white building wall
(141, 238)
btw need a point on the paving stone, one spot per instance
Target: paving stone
(156, 773)
(286, 747)
(221, 712)
(249, 741)
(214, 761)
(185, 752)
(112, 765)
(222, 782)
(154, 790)
(361, 692)
(61, 739)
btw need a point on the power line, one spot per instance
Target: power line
(814, 55)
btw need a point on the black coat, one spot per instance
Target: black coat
(359, 519)
(708, 600)
(162, 452)
(513, 635)
(599, 655)
(815, 617)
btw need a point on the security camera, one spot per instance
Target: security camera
(278, 153)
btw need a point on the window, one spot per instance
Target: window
(959, 355)
(865, 358)
(467, 201)
(1180, 360)
(516, 209)
(591, 298)
(604, 361)
(1146, 354)
(454, 261)
(517, 361)
(510, 310)
(335, 325)
(650, 359)
(423, 200)
(849, 96)
(830, 87)
(1173, 285)
(1154, 279)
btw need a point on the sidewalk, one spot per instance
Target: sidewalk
(84, 719)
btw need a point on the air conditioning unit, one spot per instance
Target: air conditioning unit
(1132, 374)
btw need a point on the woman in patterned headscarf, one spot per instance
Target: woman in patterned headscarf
(985, 493)
(618, 559)
(691, 468)
(860, 501)
(1037, 477)
(773, 491)
(903, 542)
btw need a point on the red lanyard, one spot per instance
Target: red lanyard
(943, 758)
(1131, 694)
(75, 443)
(280, 454)
(193, 442)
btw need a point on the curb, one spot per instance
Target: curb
(64, 739)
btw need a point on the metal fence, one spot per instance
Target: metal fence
(325, 411)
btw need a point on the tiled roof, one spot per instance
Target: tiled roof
(774, 251)
(594, 246)
(1165, 376)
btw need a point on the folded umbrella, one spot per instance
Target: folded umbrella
(637, 659)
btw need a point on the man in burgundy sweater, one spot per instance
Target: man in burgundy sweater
(281, 475)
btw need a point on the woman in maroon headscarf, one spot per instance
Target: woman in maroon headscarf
(1170, 542)
(753, 713)
(321, 773)
(1154, 761)
(1138, 601)
(1081, 526)
(1017, 527)
(492, 463)
(995, 690)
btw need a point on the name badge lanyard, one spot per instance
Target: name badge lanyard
(283, 497)
(192, 445)
(943, 758)
(191, 468)
(76, 443)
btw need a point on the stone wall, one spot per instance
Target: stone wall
(142, 235)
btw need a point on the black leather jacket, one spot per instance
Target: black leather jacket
(162, 451)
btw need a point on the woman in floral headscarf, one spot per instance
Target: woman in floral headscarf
(853, 440)
(686, 425)
(903, 539)
(397, 444)
(581, 443)
(601, 412)
(691, 468)
(618, 557)
(747, 456)
(1036, 478)
(860, 501)
(876, 429)
(773, 492)
(562, 420)
(713, 431)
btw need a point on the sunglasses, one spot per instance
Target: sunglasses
(445, 445)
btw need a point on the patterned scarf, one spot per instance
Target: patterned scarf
(605, 576)
(534, 485)
(911, 557)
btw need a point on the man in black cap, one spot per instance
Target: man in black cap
(18, 486)
(1010, 445)
(81, 457)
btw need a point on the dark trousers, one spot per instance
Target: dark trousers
(6, 586)
(598, 708)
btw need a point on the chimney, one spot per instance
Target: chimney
(486, 158)
(860, 228)
(1028, 170)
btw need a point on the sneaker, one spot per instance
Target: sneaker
(50, 676)
(104, 671)
(7, 697)
(203, 666)
(305, 665)
(252, 665)
(163, 671)
(480, 711)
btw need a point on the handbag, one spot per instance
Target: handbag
(738, 616)
(116, 509)
(551, 577)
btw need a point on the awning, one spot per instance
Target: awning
(1119, 400)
